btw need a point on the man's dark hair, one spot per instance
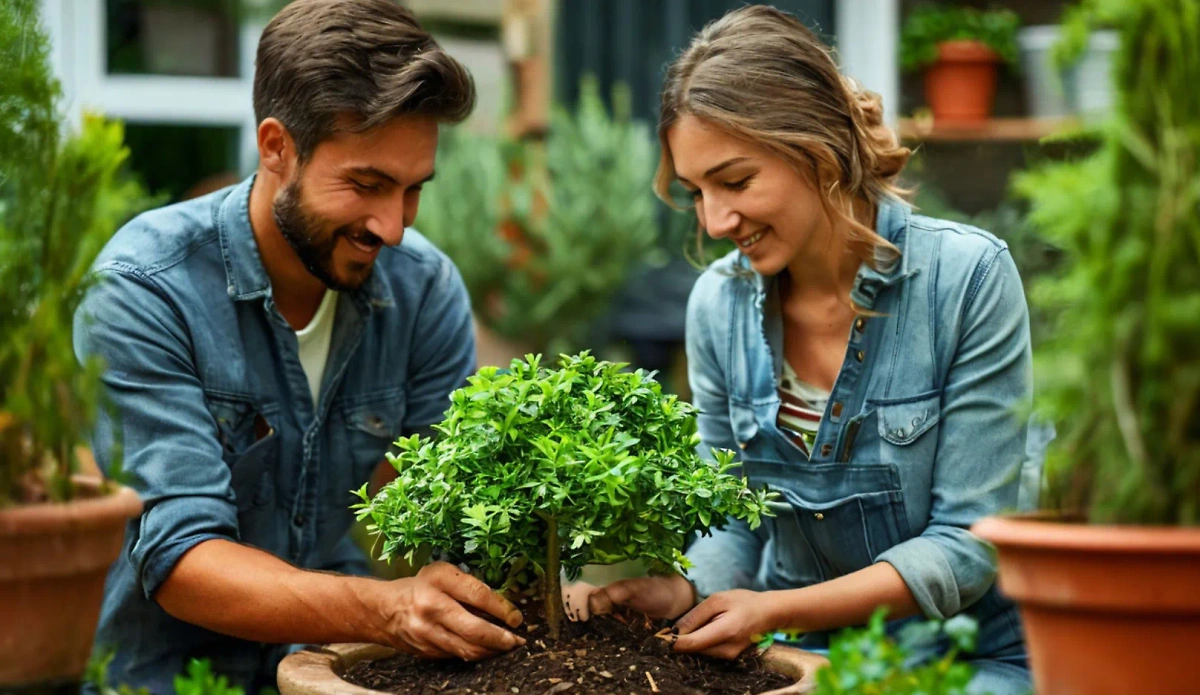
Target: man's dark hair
(325, 66)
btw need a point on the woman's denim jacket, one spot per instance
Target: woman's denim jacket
(924, 432)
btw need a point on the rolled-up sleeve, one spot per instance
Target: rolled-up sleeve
(981, 444)
(729, 558)
(158, 414)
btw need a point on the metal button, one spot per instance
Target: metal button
(742, 446)
(826, 449)
(860, 324)
(837, 409)
(860, 355)
(917, 422)
(819, 516)
(299, 520)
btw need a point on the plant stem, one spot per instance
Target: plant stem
(551, 588)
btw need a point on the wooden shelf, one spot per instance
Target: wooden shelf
(996, 130)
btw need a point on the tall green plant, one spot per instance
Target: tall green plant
(1121, 374)
(462, 211)
(545, 233)
(600, 221)
(61, 198)
(539, 469)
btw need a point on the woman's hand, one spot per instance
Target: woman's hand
(726, 623)
(658, 597)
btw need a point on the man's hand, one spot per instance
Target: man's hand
(657, 597)
(726, 623)
(426, 615)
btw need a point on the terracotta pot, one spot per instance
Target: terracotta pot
(53, 561)
(320, 672)
(961, 86)
(1107, 609)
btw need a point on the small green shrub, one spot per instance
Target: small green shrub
(537, 469)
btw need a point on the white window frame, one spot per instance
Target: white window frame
(79, 57)
(868, 39)
(868, 34)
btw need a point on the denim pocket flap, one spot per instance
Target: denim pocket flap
(381, 418)
(901, 422)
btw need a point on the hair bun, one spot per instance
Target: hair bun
(881, 149)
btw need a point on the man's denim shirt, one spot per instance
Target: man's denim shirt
(216, 419)
(921, 437)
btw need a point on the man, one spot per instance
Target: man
(264, 345)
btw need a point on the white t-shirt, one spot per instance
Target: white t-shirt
(314, 340)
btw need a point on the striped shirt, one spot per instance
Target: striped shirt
(801, 407)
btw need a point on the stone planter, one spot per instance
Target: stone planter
(53, 562)
(319, 672)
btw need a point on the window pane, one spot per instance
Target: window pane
(183, 161)
(196, 38)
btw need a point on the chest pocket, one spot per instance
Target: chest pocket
(899, 431)
(370, 425)
(249, 446)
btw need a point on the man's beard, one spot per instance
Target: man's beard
(305, 233)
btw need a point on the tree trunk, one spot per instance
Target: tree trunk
(551, 588)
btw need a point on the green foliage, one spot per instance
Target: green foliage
(545, 233)
(462, 210)
(61, 198)
(199, 679)
(1121, 376)
(868, 662)
(929, 25)
(589, 453)
(96, 675)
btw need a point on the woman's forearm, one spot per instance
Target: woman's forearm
(845, 601)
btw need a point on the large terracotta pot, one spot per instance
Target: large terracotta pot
(53, 561)
(961, 86)
(1107, 609)
(320, 672)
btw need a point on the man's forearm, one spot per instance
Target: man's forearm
(249, 593)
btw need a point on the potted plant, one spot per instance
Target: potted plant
(537, 471)
(545, 233)
(1108, 583)
(960, 49)
(61, 198)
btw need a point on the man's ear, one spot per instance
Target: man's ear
(276, 148)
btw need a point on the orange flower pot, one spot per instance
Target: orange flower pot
(53, 562)
(1107, 609)
(961, 86)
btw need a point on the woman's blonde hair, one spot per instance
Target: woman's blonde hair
(762, 76)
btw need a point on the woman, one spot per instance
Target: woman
(868, 363)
